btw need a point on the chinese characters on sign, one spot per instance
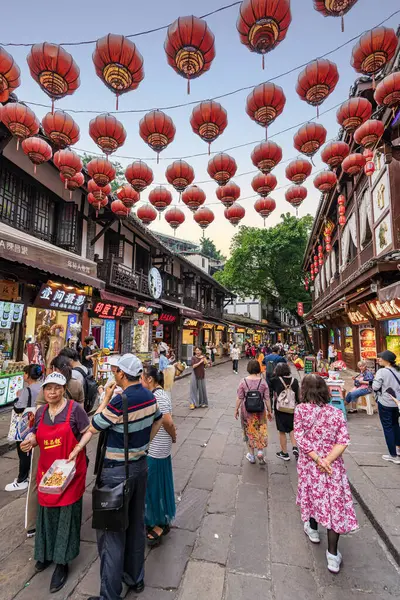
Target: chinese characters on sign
(385, 310)
(190, 323)
(77, 266)
(105, 310)
(357, 318)
(13, 248)
(60, 297)
(145, 310)
(166, 317)
(8, 290)
(109, 334)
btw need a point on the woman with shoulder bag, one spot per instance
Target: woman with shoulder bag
(388, 376)
(254, 406)
(284, 384)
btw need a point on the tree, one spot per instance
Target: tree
(266, 261)
(208, 248)
(119, 171)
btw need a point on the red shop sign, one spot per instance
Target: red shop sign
(105, 310)
(167, 318)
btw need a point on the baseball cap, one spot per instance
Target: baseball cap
(388, 355)
(113, 360)
(130, 364)
(55, 377)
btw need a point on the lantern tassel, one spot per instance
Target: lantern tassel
(116, 104)
(342, 19)
(17, 144)
(188, 87)
(65, 186)
(158, 157)
(317, 112)
(159, 216)
(52, 106)
(266, 134)
(34, 169)
(70, 194)
(263, 61)
(209, 148)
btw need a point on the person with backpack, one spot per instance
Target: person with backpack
(385, 385)
(82, 374)
(254, 406)
(270, 361)
(285, 388)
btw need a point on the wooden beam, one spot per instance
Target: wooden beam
(101, 233)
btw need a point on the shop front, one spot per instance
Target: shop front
(387, 315)
(105, 316)
(220, 338)
(240, 336)
(165, 329)
(207, 333)
(250, 333)
(190, 337)
(365, 334)
(11, 315)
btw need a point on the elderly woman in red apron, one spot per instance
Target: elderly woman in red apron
(59, 425)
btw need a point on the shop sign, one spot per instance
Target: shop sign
(220, 327)
(190, 323)
(208, 326)
(145, 310)
(231, 329)
(300, 309)
(160, 332)
(10, 313)
(367, 343)
(250, 331)
(240, 330)
(109, 333)
(8, 290)
(167, 318)
(357, 318)
(60, 297)
(155, 283)
(106, 310)
(385, 310)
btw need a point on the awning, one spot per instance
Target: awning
(118, 299)
(390, 292)
(175, 305)
(25, 249)
(190, 313)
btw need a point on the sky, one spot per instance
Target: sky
(310, 35)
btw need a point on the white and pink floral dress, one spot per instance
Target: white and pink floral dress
(326, 498)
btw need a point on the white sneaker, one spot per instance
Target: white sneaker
(313, 534)
(334, 562)
(393, 459)
(260, 457)
(17, 487)
(398, 450)
(251, 458)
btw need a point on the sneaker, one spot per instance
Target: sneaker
(260, 457)
(296, 452)
(59, 578)
(334, 562)
(283, 455)
(251, 458)
(313, 534)
(17, 487)
(192, 406)
(398, 451)
(31, 533)
(389, 458)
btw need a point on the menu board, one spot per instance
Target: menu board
(309, 365)
(10, 313)
(109, 334)
(393, 344)
(9, 386)
(367, 343)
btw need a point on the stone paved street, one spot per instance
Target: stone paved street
(237, 535)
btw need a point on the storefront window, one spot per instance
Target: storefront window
(392, 330)
(348, 348)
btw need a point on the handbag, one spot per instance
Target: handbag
(16, 417)
(111, 504)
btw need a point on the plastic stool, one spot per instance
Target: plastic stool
(369, 403)
(338, 402)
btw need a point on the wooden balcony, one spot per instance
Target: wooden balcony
(121, 277)
(206, 309)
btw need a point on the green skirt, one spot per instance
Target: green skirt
(58, 532)
(160, 497)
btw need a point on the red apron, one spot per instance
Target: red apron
(57, 442)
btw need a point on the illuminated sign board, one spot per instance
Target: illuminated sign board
(58, 296)
(190, 323)
(106, 310)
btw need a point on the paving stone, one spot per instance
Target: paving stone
(13, 535)
(294, 582)
(286, 525)
(384, 478)
(223, 427)
(206, 423)
(213, 542)
(153, 594)
(200, 435)
(181, 477)
(88, 534)
(166, 564)
(203, 581)
(246, 587)
(254, 474)
(16, 570)
(90, 584)
(335, 593)
(229, 469)
(191, 509)
(215, 447)
(223, 496)
(204, 474)
(10, 514)
(280, 488)
(370, 459)
(233, 455)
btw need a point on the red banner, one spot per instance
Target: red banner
(300, 309)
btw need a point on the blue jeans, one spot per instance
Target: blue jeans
(389, 416)
(352, 396)
(122, 553)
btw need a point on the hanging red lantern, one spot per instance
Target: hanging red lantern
(222, 168)
(228, 194)
(320, 261)
(262, 25)
(265, 103)
(193, 197)
(235, 214)
(388, 91)
(99, 193)
(342, 210)
(369, 134)
(265, 206)
(295, 195)
(316, 265)
(20, 120)
(156, 323)
(298, 170)
(119, 208)
(61, 128)
(160, 198)
(312, 272)
(128, 195)
(174, 217)
(368, 154)
(157, 130)
(342, 220)
(317, 81)
(264, 184)
(118, 63)
(353, 113)
(328, 230)
(37, 150)
(97, 204)
(107, 132)
(353, 164)
(141, 322)
(9, 75)
(369, 168)
(208, 121)
(334, 153)
(374, 50)
(309, 138)
(146, 213)
(68, 163)
(325, 181)
(180, 174)
(54, 69)
(335, 8)
(204, 217)
(73, 183)
(139, 175)
(266, 156)
(101, 171)
(189, 47)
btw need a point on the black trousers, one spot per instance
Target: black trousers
(235, 365)
(24, 464)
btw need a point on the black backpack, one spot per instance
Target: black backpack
(90, 389)
(270, 368)
(254, 402)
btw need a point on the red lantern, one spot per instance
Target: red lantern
(189, 47)
(120, 209)
(193, 197)
(369, 134)
(146, 214)
(139, 175)
(266, 156)
(156, 323)
(334, 153)
(337, 8)
(298, 170)
(325, 181)
(328, 247)
(235, 214)
(353, 164)
(37, 150)
(180, 175)
(174, 217)
(315, 265)
(9, 75)
(341, 200)
(374, 50)
(60, 128)
(262, 25)
(73, 183)
(388, 91)
(309, 138)
(141, 322)
(353, 113)
(68, 163)
(317, 81)
(97, 204)
(118, 63)
(99, 193)
(54, 69)
(107, 132)
(160, 198)
(342, 210)
(222, 168)
(264, 184)
(228, 194)
(265, 206)
(128, 195)
(208, 121)
(295, 195)
(342, 220)
(265, 103)
(101, 170)
(204, 217)
(20, 120)
(369, 168)
(157, 130)
(368, 154)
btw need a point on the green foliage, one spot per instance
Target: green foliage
(209, 249)
(119, 171)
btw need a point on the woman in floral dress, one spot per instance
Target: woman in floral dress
(254, 425)
(323, 493)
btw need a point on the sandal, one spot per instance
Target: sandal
(154, 538)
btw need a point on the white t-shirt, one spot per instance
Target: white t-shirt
(235, 354)
(161, 446)
(331, 352)
(77, 375)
